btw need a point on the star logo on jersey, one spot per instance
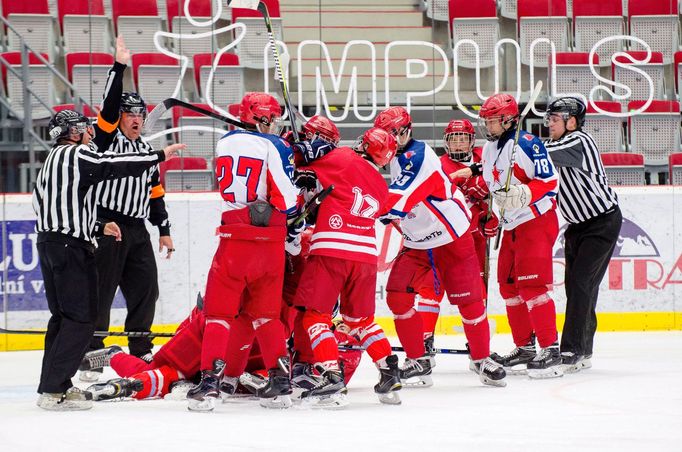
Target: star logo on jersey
(496, 175)
(335, 221)
(528, 136)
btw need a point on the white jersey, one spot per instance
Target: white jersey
(532, 166)
(252, 166)
(433, 212)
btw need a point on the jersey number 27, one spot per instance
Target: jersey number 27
(247, 167)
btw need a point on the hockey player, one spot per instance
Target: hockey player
(343, 262)
(528, 215)
(438, 250)
(254, 171)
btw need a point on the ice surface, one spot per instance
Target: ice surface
(631, 400)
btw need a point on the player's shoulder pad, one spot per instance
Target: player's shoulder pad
(531, 145)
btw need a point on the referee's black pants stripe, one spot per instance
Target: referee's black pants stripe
(71, 289)
(130, 265)
(588, 248)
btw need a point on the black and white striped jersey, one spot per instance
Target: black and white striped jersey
(584, 191)
(64, 197)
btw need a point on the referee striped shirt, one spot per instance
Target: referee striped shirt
(584, 192)
(129, 196)
(64, 197)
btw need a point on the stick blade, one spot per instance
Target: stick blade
(246, 4)
(153, 117)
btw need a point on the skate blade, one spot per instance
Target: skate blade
(104, 391)
(496, 383)
(281, 402)
(332, 402)
(205, 405)
(519, 369)
(252, 382)
(542, 374)
(390, 398)
(422, 381)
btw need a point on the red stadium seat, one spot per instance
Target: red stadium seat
(41, 82)
(655, 133)
(594, 20)
(438, 10)
(227, 85)
(137, 21)
(476, 21)
(624, 168)
(84, 25)
(201, 142)
(675, 164)
(657, 23)
(606, 130)
(252, 45)
(33, 22)
(573, 74)
(678, 72)
(199, 10)
(155, 76)
(87, 111)
(638, 84)
(87, 59)
(88, 73)
(181, 163)
(544, 19)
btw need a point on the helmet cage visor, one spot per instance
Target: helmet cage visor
(458, 148)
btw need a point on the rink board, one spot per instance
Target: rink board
(642, 290)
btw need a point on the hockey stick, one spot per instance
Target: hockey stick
(531, 101)
(312, 205)
(96, 333)
(260, 6)
(171, 102)
(444, 351)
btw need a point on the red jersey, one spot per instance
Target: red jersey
(345, 220)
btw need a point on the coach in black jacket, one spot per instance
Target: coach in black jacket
(64, 202)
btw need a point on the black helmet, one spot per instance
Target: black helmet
(133, 103)
(567, 107)
(66, 122)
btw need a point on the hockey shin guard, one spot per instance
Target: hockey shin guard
(408, 324)
(156, 382)
(519, 320)
(304, 353)
(322, 340)
(476, 329)
(214, 342)
(270, 334)
(126, 365)
(239, 345)
(543, 318)
(429, 310)
(372, 337)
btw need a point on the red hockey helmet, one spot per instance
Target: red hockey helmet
(323, 128)
(502, 107)
(459, 139)
(393, 120)
(259, 108)
(379, 145)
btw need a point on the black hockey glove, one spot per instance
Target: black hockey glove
(305, 179)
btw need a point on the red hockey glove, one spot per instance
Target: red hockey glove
(475, 188)
(489, 228)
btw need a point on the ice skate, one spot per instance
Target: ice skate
(73, 399)
(303, 376)
(430, 350)
(277, 391)
(491, 373)
(203, 396)
(516, 362)
(416, 373)
(389, 382)
(93, 362)
(115, 389)
(547, 364)
(329, 393)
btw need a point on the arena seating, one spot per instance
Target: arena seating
(227, 85)
(32, 20)
(573, 73)
(639, 85)
(88, 72)
(155, 75)
(675, 167)
(137, 21)
(655, 133)
(41, 82)
(542, 19)
(84, 26)
(250, 49)
(624, 168)
(606, 130)
(594, 20)
(200, 143)
(186, 174)
(476, 21)
(200, 11)
(657, 23)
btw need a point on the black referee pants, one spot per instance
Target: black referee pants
(130, 265)
(588, 248)
(70, 280)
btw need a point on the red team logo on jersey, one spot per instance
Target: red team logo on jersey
(528, 137)
(496, 174)
(335, 221)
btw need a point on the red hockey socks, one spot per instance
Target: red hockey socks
(304, 353)
(476, 329)
(519, 320)
(126, 365)
(156, 382)
(429, 311)
(322, 340)
(214, 342)
(239, 345)
(408, 324)
(542, 313)
(372, 337)
(270, 334)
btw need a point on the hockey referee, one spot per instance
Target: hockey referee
(594, 219)
(131, 263)
(64, 202)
